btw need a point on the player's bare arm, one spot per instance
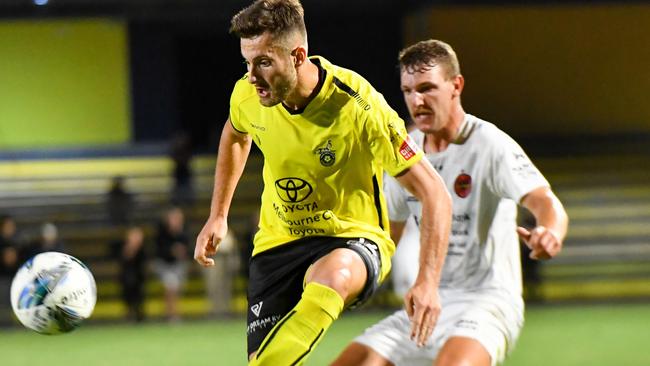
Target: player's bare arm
(545, 239)
(231, 159)
(422, 301)
(396, 230)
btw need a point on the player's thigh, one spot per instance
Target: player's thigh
(463, 351)
(342, 269)
(475, 330)
(357, 354)
(390, 339)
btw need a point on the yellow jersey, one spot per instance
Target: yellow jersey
(323, 165)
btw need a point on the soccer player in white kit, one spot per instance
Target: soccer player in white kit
(487, 174)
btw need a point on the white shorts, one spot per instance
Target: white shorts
(172, 275)
(486, 319)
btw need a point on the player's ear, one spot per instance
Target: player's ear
(459, 83)
(300, 55)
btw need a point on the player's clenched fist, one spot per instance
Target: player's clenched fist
(543, 242)
(208, 241)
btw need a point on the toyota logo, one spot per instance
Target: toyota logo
(292, 189)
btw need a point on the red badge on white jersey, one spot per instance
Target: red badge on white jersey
(408, 149)
(463, 185)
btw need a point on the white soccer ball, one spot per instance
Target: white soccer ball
(53, 293)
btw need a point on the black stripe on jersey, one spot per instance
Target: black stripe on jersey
(375, 187)
(343, 86)
(235, 128)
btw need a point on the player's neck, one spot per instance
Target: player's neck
(308, 76)
(439, 141)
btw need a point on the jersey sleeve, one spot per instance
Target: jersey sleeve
(396, 200)
(388, 139)
(513, 174)
(239, 94)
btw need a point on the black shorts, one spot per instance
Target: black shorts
(277, 277)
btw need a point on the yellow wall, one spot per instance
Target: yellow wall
(63, 83)
(552, 69)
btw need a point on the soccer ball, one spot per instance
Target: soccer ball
(53, 293)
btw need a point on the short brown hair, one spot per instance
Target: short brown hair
(424, 55)
(280, 18)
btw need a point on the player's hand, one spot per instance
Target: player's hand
(423, 308)
(208, 241)
(542, 241)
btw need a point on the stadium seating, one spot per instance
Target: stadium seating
(606, 255)
(607, 252)
(71, 194)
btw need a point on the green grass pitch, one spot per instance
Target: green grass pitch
(594, 335)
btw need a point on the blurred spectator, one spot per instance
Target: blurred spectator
(219, 278)
(119, 202)
(181, 154)
(48, 241)
(172, 254)
(9, 263)
(246, 246)
(132, 258)
(9, 246)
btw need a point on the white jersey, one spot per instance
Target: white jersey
(486, 173)
(403, 274)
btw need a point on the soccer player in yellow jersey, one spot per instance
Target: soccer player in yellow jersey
(327, 137)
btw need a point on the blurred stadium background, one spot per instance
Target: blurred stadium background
(93, 89)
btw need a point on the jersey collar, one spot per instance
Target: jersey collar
(464, 131)
(322, 75)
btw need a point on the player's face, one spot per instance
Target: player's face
(430, 97)
(270, 67)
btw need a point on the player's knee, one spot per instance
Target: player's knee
(453, 361)
(463, 352)
(343, 271)
(358, 354)
(340, 280)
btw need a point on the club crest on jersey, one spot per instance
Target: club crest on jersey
(408, 149)
(463, 185)
(327, 155)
